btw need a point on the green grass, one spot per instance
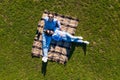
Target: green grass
(99, 24)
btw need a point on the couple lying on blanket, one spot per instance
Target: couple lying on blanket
(52, 30)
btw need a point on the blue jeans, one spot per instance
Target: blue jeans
(69, 38)
(46, 44)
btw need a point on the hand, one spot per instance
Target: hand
(47, 31)
(51, 32)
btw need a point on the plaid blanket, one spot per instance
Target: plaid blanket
(59, 51)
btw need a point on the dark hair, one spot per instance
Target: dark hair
(51, 13)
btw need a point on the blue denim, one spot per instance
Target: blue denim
(47, 39)
(52, 25)
(65, 36)
(69, 38)
(46, 43)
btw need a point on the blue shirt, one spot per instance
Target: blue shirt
(59, 35)
(52, 25)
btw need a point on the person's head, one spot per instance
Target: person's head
(50, 16)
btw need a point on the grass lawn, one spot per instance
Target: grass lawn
(99, 24)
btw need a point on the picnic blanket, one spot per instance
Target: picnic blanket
(59, 51)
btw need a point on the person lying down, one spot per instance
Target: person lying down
(59, 35)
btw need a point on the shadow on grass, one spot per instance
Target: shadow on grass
(71, 51)
(44, 68)
(84, 48)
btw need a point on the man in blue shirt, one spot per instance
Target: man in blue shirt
(51, 24)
